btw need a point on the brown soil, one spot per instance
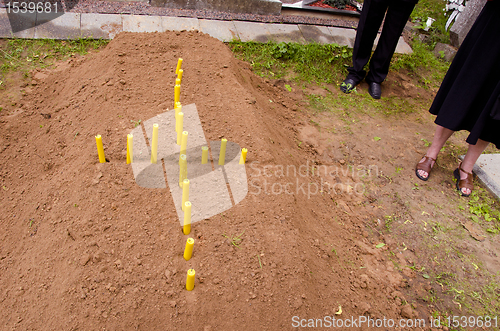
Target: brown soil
(84, 248)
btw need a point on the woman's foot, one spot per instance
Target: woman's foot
(424, 167)
(465, 183)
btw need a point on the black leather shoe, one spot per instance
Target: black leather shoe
(348, 85)
(375, 90)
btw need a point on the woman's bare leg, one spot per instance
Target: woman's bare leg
(440, 137)
(473, 153)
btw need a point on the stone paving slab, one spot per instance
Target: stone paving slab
(403, 47)
(286, 33)
(105, 26)
(317, 34)
(56, 26)
(222, 30)
(487, 169)
(249, 31)
(343, 37)
(24, 24)
(169, 23)
(142, 23)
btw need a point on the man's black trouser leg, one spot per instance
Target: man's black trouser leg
(370, 20)
(395, 21)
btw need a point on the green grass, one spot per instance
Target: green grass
(422, 64)
(24, 55)
(483, 209)
(434, 9)
(363, 103)
(235, 240)
(304, 63)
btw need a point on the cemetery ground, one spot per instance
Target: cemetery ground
(335, 222)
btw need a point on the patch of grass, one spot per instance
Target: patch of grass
(235, 240)
(309, 63)
(422, 64)
(24, 55)
(434, 9)
(136, 123)
(362, 103)
(484, 210)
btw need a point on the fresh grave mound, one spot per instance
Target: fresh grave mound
(84, 247)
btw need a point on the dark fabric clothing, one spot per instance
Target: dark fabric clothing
(396, 14)
(469, 96)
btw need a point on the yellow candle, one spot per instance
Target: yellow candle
(100, 149)
(154, 144)
(184, 141)
(188, 251)
(177, 93)
(177, 109)
(185, 192)
(222, 155)
(179, 127)
(187, 218)
(130, 144)
(182, 169)
(179, 75)
(179, 64)
(204, 155)
(178, 81)
(190, 280)
(243, 157)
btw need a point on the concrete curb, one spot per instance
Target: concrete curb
(487, 169)
(107, 26)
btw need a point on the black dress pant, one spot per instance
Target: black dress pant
(372, 15)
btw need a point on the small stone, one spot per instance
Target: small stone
(85, 259)
(445, 51)
(98, 257)
(118, 264)
(407, 311)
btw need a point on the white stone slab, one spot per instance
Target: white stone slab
(343, 36)
(105, 26)
(487, 168)
(318, 34)
(52, 26)
(170, 23)
(248, 31)
(285, 33)
(141, 23)
(223, 30)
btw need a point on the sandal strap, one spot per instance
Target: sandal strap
(426, 164)
(462, 169)
(467, 182)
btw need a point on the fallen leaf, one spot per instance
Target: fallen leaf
(380, 245)
(339, 311)
(473, 231)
